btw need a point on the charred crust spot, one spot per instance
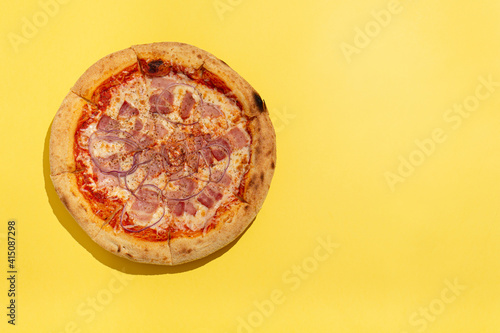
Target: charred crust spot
(269, 152)
(257, 150)
(64, 201)
(118, 249)
(247, 207)
(250, 182)
(253, 181)
(273, 165)
(258, 100)
(155, 65)
(186, 250)
(262, 177)
(199, 56)
(129, 255)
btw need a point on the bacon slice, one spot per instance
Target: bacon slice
(106, 123)
(145, 204)
(161, 104)
(127, 111)
(205, 200)
(238, 138)
(225, 181)
(217, 150)
(186, 105)
(214, 193)
(161, 82)
(176, 207)
(190, 208)
(208, 156)
(110, 163)
(145, 140)
(186, 186)
(138, 125)
(105, 180)
(147, 194)
(160, 130)
(210, 111)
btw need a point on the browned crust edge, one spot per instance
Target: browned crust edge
(183, 54)
(121, 243)
(263, 160)
(192, 57)
(62, 134)
(102, 70)
(230, 226)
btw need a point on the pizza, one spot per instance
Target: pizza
(162, 153)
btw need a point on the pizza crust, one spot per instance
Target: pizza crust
(121, 244)
(102, 70)
(200, 60)
(154, 60)
(262, 162)
(169, 52)
(62, 134)
(230, 226)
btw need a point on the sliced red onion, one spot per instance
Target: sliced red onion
(94, 159)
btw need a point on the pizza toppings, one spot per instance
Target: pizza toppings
(238, 138)
(127, 110)
(161, 103)
(211, 111)
(186, 106)
(169, 158)
(107, 124)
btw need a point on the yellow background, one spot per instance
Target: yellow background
(355, 90)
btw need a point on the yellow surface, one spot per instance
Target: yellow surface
(383, 215)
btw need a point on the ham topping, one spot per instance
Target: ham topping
(190, 208)
(186, 186)
(205, 200)
(146, 203)
(208, 156)
(186, 105)
(237, 138)
(161, 82)
(161, 104)
(138, 125)
(108, 124)
(127, 111)
(210, 111)
(220, 148)
(160, 130)
(214, 193)
(176, 207)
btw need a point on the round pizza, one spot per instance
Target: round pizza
(162, 153)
